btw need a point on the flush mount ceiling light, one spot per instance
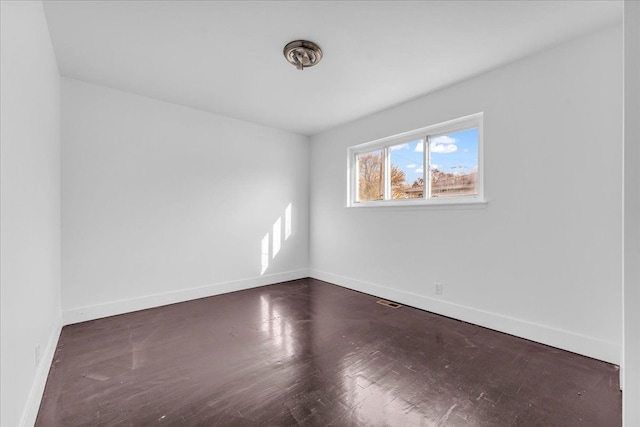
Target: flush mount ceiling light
(302, 53)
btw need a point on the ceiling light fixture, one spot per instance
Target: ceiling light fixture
(302, 54)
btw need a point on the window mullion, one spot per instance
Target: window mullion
(355, 178)
(427, 167)
(387, 174)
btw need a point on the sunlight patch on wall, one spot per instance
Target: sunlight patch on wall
(277, 236)
(265, 253)
(287, 222)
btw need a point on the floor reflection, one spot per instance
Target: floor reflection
(277, 327)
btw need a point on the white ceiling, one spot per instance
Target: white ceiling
(226, 57)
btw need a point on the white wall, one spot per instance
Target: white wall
(29, 208)
(542, 259)
(631, 372)
(163, 203)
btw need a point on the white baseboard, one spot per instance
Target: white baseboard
(592, 347)
(83, 314)
(30, 412)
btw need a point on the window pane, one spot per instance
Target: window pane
(407, 170)
(370, 176)
(453, 164)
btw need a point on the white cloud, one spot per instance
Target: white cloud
(411, 166)
(441, 144)
(443, 148)
(466, 150)
(444, 139)
(434, 166)
(399, 147)
(419, 170)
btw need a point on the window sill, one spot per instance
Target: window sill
(473, 203)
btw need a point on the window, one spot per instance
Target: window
(439, 164)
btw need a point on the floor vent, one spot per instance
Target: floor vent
(389, 303)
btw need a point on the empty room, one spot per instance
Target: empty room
(320, 213)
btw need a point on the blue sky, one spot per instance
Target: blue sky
(451, 153)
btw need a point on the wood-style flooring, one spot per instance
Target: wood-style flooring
(308, 353)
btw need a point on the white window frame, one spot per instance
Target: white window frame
(425, 133)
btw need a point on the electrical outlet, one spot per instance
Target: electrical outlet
(438, 288)
(37, 354)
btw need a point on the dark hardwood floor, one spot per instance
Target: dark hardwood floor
(310, 353)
